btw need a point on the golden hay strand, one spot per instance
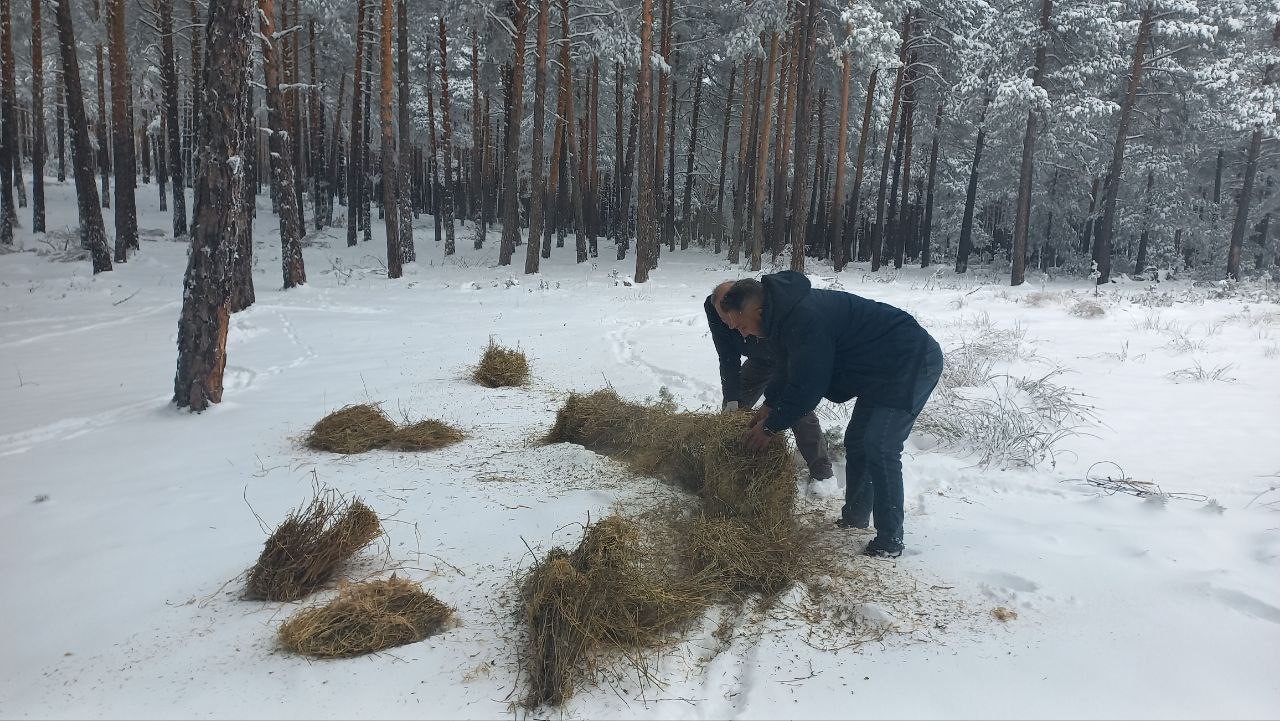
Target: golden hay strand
(501, 367)
(352, 429)
(307, 549)
(364, 618)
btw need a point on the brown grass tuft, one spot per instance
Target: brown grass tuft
(307, 549)
(364, 618)
(352, 429)
(425, 435)
(501, 367)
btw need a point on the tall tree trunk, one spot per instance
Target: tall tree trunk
(574, 183)
(536, 183)
(162, 161)
(93, 234)
(434, 162)
(646, 229)
(971, 194)
(476, 192)
(62, 127)
(552, 221)
(511, 163)
(669, 210)
(927, 234)
(121, 134)
(1022, 217)
(1111, 187)
(319, 136)
(660, 118)
(628, 175)
(1140, 264)
(686, 205)
(789, 74)
(862, 252)
(762, 160)
(169, 80)
(804, 127)
(746, 143)
(335, 187)
(1241, 221)
(281, 154)
(390, 171)
(37, 129)
(104, 148)
(404, 180)
(221, 211)
(908, 132)
(836, 238)
(877, 231)
(724, 158)
(446, 195)
(197, 84)
(242, 294)
(366, 153)
(10, 157)
(356, 145)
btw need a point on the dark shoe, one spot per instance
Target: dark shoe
(821, 474)
(883, 548)
(845, 524)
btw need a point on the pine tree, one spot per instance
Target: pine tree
(125, 164)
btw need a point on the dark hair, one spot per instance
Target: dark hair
(740, 294)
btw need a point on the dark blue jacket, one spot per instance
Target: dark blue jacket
(731, 347)
(836, 345)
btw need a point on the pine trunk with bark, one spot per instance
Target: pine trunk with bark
(93, 233)
(169, 81)
(536, 180)
(446, 129)
(804, 128)
(221, 210)
(37, 120)
(927, 232)
(390, 155)
(1022, 217)
(10, 156)
(404, 180)
(281, 154)
(971, 193)
(511, 161)
(686, 205)
(877, 231)
(1111, 187)
(724, 159)
(356, 144)
(863, 251)
(762, 159)
(122, 134)
(908, 131)
(646, 228)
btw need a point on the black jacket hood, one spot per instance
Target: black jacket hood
(782, 293)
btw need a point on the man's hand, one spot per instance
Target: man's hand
(758, 437)
(761, 415)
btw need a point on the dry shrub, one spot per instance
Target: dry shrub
(1086, 308)
(632, 582)
(352, 429)
(364, 618)
(364, 427)
(614, 592)
(307, 549)
(500, 367)
(425, 435)
(1041, 298)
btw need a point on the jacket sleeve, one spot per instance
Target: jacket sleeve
(810, 356)
(727, 351)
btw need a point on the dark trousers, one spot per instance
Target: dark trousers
(809, 441)
(873, 448)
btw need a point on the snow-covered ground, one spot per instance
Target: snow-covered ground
(126, 522)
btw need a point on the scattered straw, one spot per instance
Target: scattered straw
(1002, 613)
(360, 428)
(500, 367)
(364, 618)
(308, 548)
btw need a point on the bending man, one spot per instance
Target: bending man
(839, 346)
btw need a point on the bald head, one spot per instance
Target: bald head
(717, 295)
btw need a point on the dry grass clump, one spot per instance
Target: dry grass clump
(614, 592)
(425, 435)
(1086, 308)
(1041, 298)
(308, 548)
(1002, 613)
(631, 583)
(364, 427)
(364, 618)
(352, 429)
(501, 367)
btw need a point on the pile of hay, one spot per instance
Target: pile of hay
(308, 548)
(364, 618)
(621, 589)
(364, 427)
(615, 591)
(501, 367)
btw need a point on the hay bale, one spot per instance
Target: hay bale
(352, 429)
(743, 556)
(427, 435)
(364, 618)
(308, 548)
(614, 591)
(501, 367)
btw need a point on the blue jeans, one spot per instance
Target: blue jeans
(873, 454)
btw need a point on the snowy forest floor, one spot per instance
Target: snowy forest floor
(126, 522)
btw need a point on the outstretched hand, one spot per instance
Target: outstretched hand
(758, 437)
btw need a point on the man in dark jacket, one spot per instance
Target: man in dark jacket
(743, 383)
(840, 346)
